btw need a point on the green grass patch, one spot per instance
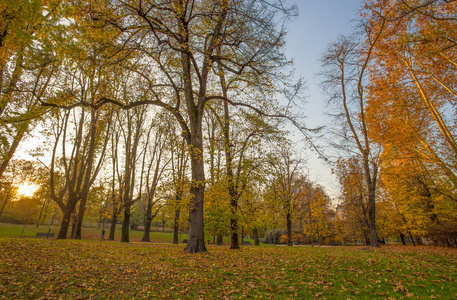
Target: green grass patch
(88, 233)
(69, 269)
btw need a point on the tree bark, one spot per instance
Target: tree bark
(372, 214)
(219, 239)
(112, 228)
(147, 227)
(289, 229)
(65, 224)
(67, 210)
(125, 225)
(256, 237)
(176, 227)
(196, 240)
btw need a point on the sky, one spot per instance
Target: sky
(318, 24)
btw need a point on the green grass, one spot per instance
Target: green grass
(88, 233)
(70, 269)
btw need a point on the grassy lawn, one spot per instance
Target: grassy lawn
(88, 233)
(70, 269)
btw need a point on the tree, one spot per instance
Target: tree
(27, 66)
(186, 36)
(312, 208)
(412, 83)
(132, 131)
(354, 198)
(285, 184)
(156, 152)
(346, 64)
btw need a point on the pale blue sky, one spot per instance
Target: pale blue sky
(319, 23)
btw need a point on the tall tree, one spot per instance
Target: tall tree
(185, 36)
(285, 170)
(346, 64)
(156, 151)
(413, 84)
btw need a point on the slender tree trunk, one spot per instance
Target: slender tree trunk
(112, 228)
(176, 226)
(147, 224)
(41, 214)
(242, 235)
(73, 226)
(219, 239)
(3, 206)
(402, 237)
(43, 219)
(163, 222)
(412, 239)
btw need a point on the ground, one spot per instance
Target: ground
(70, 269)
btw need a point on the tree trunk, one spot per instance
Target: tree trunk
(289, 229)
(219, 239)
(147, 227)
(65, 224)
(176, 227)
(196, 240)
(41, 213)
(402, 237)
(112, 228)
(67, 211)
(80, 218)
(163, 222)
(372, 215)
(412, 239)
(125, 225)
(234, 239)
(256, 237)
(73, 226)
(3, 206)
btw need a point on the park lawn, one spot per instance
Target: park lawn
(88, 233)
(77, 269)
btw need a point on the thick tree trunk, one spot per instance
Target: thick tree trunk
(80, 218)
(256, 237)
(67, 211)
(112, 228)
(196, 240)
(65, 224)
(234, 239)
(372, 215)
(289, 229)
(147, 224)
(125, 225)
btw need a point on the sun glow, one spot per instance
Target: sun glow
(26, 189)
